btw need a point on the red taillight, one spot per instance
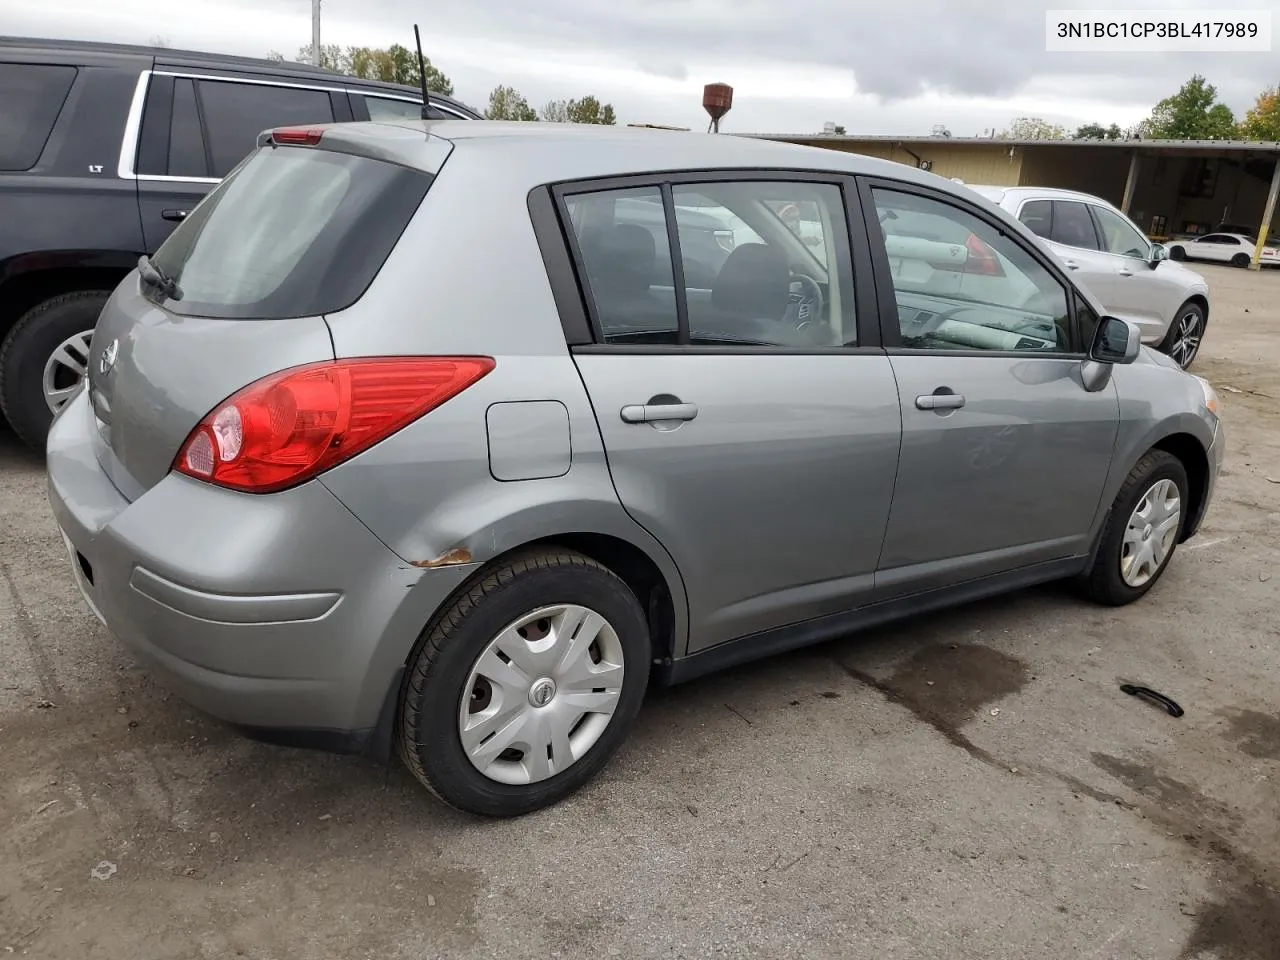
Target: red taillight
(292, 425)
(982, 259)
(297, 137)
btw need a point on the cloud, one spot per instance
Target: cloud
(878, 67)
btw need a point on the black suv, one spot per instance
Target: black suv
(103, 150)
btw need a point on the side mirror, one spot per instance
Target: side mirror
(1158, 253)
(1115, 341)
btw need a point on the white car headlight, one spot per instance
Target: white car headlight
(1210, 396)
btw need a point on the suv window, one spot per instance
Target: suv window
(31, 97)
(961, 284)
(235, 113)
(264, 243)
(186, 139)
(758, 284)
(1119, 236)
(1038, 217)
(1072, 225)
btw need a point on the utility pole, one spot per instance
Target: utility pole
(315, 32)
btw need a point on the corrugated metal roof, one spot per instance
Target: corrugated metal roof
(1255, 146)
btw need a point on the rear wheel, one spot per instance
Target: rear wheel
(525, 685)
(43, 360)
(1142, 531)
(1240, 260)
(1182, 342)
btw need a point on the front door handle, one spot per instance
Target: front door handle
(1072, 265)
(940, 401)
(1126, 273)
(658, 412)
(177, 215)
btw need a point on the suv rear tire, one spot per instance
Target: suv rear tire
(28, 349)
(459, 651)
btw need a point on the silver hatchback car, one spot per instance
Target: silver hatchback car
(414, 438)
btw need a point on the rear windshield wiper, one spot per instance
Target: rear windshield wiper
(153, 276)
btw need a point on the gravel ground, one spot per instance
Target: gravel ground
(970, 784)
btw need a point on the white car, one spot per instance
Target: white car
(1233, 248)
(1132, 276)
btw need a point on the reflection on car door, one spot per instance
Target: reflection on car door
(761, 455)
(1004, 453)
(194, 130)
(1142, 295)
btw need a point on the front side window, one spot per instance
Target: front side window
(1119, 236)
(235, 113)
(961, 284)
(750, 278)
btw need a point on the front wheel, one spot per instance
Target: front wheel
(44, 359)
(1177, 253)
(1182, 342)
(1142, 531)
(525, 685)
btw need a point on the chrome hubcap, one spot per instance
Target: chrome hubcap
(1186, 342)
(1150, 534)
(541, 694)
(65, 369)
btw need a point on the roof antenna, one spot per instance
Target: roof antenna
(422, 75)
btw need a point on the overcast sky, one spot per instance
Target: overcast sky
(882, 67)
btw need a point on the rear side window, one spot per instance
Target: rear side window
(1072, 226)
(235, 113)
(1038, 217)
(292, 232)
(31, 97)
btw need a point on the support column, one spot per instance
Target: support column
(1264, 230)
(1129, 184)
(315, 32)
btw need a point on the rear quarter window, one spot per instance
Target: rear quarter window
(291, 232)
(31, 97)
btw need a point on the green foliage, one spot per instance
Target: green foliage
(395, 64)
(1096, 131)
(1192, 113)
(1033, 128)
(506, 103)
(1262, 122)
(586, 110)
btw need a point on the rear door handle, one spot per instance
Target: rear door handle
(940, 401)
(657, 412)
(178, 215)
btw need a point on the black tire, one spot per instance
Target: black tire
(1170, 340)
(1177, 253)
(1240, 260)
(26, 350)
(1103, 581)
(427, 728)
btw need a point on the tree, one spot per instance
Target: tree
(1262, 122)
(1192, 113)
(1096, 131)
(506, 103)
(1033, 128)
(395, 64)
(586, 110)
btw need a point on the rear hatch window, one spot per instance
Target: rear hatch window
(291, 232)
(31, 97)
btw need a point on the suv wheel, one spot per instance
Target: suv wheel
(43, 360)
(1142, 531)
(525, 685)
(1182, 342)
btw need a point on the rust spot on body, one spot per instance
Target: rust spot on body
(452, 558)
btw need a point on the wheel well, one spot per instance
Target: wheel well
(1195, 461)
(24, 291)
(1202, 302)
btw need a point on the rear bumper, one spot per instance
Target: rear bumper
(279, 613)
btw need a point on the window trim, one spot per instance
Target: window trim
(571, 290)
(126, 167)
(890, 327)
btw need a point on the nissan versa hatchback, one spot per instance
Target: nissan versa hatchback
(355, 469)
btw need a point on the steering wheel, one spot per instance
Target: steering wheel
(807, 306)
